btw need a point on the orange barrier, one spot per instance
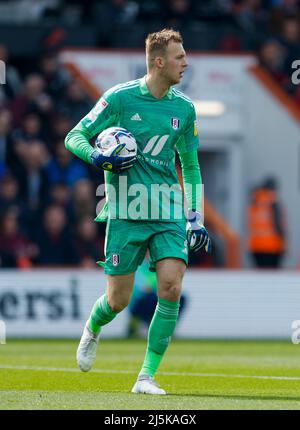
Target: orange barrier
(230, 237)
(90, 88)
(264, 77)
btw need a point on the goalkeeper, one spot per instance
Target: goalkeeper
(162, 119)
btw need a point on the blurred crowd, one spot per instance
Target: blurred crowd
(269, 27)
(47, 196)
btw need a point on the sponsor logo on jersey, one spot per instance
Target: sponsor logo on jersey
(115, 259)
(156, 144)
(100, 106)
(195, 128)
(136, 117)
(175, 123)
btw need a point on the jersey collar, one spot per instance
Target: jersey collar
(145, 90)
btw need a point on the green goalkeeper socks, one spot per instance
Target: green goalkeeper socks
(160, 331)
(101, 314)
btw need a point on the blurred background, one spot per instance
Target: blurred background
(60, 56)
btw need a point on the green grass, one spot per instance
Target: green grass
(43, 375)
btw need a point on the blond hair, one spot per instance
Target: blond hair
(157, 43)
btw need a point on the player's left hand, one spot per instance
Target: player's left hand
(197, 235)
(111, 161)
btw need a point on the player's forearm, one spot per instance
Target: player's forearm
(77, 141)
(192, 181)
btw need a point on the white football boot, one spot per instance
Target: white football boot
(87, 349)
(147, 385)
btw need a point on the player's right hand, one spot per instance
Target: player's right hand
(111, 161)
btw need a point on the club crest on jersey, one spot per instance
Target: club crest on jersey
(175, 123)
(115, 259)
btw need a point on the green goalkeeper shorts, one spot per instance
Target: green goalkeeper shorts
(126, 244)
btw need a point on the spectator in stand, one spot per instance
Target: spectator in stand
(9, 194)
(177, 13)
(12, 199)
(251, 15)
(83, 199)
(88, 243)
(272, 57)
(6, 149)
(282, 9)
(15, 248)
(31, 177)
(53, 239)
(13, 81)
(22, 138)
(56, 76)
(32, 98)
(60, 194)
(64, 168)
(30, 129)
(290, 38)
(297, 94)
(75, 103)
(266, 234)
(114, 13)
(60, 126)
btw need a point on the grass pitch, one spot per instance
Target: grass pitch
(196, 374)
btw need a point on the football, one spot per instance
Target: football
(114, 136)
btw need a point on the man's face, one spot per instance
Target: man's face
(174, 63)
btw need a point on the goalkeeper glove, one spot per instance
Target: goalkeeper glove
(197, 234)
(111, 161)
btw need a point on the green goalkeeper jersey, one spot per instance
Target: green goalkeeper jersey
(150, 190)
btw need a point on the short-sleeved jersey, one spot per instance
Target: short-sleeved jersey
(159, 125)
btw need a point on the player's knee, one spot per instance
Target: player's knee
(118, 305)
(170, 291)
